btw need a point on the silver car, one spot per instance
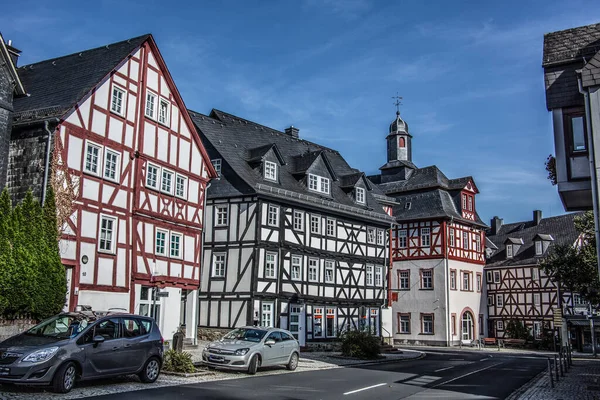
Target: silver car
(250, 347)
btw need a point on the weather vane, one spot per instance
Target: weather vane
(397, 103)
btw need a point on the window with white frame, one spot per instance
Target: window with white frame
(166, 185)
(404, 279)
(426, 279)
(298, 221)
(465, 240)
(160, 244)
(313, 270)
(218, 267)
(116, 103)
(509, 251)
(500, 325)
(330, 227)
(369, 275)
(490, 300)
(222, 218)
(313, 182)
(163, 111)
(453, 280)
(402, 239)
(216, 165)
(404, 324)
(371, 235)
(537, 330)
(180, 186)
(273, 215)
(479, 282)
(539, 248)
(380, 237)
(378, 276)
(497, 277)
(360, 195)
(318, 183)
(329, 271)
(451, 237)
(499, 300)
(477, 243)
(466, 281)
(535, 273)
(175, 245)
(425, 237)
(108, 229)
(270, 265)
(151, 105)
(152, 172)
(427, 324)
(488, 277)
(270, 170)
(296, 272)
(325, 185)
(93, 153)
(315, 224)
(266, 317)
(111, 165)
(537, 299)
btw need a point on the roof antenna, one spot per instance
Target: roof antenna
(397, 103)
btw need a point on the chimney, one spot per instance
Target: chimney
(293, 132)
(496, 224)
(14, 53)
(537, 216)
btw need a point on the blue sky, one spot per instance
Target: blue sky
(470, 74)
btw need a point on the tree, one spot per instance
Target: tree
(516, 330)
(575, 267)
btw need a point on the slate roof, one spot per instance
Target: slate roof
(590, 74)
(227, 136)
(571, 44)
(561, 228)
(55, 85)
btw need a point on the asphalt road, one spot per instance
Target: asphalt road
(442, 374)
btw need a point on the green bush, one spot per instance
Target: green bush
(176, 361)
(516, 330)
(360, 344)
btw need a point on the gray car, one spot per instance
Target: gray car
(250, 347)
(81, 346)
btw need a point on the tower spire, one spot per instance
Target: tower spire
(397, 103)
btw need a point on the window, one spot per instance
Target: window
(216, 165)
(175, 245)
(500, 325)
(404, 323)
(488, 277)
(218, 268)
(151, 105)
(318, 183)
(470, 203)
(222, 215)
(369, 275)
(380, 240)
(537, 330)
(509, 251)
(402, 238)
(538, 248)
(132, 328)
(317, 322)
(536, 299)
(464, 201)
(160, 244)
(466, 240)
(477, 243)
(330, 227)
(298, 221)
(466, 281)
(107, 234)
(535, 274)
(575, 130)
(451, 237)
(378, 276)
(270, 260)
(296, 267)
(426, 279)
(404, 279)
(329, 271)
(266, 317)
(315, 224)
(360, 195)
(453, 324)
(425, 237)
(270, 170)
(370, 235)
(180, 186)
(148, 307)
(167, 181)
(92, 158)
(499, 300)
(330, 323)
(577, 299)
(116, 103)
(313, 270)
(478, 282)
(152, 176)
(453, 280)
(111, 165)
(490, 301)
(163, 112)
(273, 215)
(496, 276)
(427, 324)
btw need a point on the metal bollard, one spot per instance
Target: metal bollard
(556, 367)
(550, 373)
(560, 364)
(565, 366)
(570, 354)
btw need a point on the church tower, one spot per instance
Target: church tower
(399, 141)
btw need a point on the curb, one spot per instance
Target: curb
(187, 375)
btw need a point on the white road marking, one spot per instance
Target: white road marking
(470, 373)
(365, 388)
(484, 359)
(443, 369)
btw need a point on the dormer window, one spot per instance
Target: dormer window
(464, 201)
(541, 242)
(318, 183)
(360, 195)
(539, 249)
(509, 251)
(270, 171)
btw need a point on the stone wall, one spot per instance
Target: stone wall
(11, 327)
(6, 108)
(210, 334)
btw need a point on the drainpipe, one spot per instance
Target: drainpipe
(47, 161)
(195, 326)
(447, 280)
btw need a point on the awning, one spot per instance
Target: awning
(584, 322)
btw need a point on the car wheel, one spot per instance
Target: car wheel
(150, 371)
(64, 379)
(293, 363)
(254, 364)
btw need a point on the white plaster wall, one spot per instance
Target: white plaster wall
(102, 301)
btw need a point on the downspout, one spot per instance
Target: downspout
(47, 162)
(195, 326)
(447, 280)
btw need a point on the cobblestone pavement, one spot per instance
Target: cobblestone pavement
(307, 362)
(581, 382)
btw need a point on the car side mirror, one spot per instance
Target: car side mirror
(98, 339)
(270, 342)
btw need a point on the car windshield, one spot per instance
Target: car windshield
(251, 335)
(62, 326)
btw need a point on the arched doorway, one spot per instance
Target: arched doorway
(467, 326)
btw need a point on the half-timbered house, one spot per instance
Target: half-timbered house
(516, 288)
(294, 236)
(133, 165)
(437, 248)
